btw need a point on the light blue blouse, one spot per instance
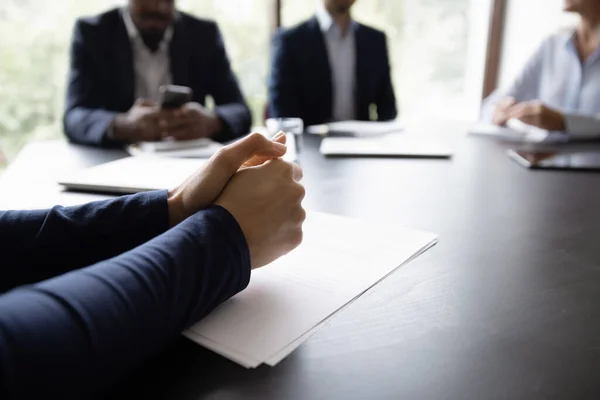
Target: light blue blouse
(555, 76)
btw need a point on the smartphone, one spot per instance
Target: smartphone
(173, 96)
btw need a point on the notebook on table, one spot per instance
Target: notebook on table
(132, 175)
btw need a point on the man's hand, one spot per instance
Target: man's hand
(202, 188)
(192, 121)
(501, 112)
(139, 124)
(266, 201)
(537, 114)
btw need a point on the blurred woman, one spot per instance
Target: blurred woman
(559, 87)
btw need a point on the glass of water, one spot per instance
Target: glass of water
(293, 127)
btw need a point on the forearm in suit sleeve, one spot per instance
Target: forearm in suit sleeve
(85, 121)
(71, 336)
(386, 104)
(37, 245)
(283, 90)
(230, 104)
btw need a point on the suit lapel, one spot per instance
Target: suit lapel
(124, 75)
(361, 73)
(322, 68)
(179, 54)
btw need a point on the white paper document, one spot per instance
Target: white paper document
(517, 131)
(288, 300)
(357, 128)
(197, 148)
(392, 145)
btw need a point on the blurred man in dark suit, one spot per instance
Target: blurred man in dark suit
(331, 68)
(120, 58)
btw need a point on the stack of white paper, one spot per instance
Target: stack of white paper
(288, 300)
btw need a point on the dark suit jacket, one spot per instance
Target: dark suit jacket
(93, 291)
(301, 84)
(101, 77)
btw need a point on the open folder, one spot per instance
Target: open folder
(287, 301)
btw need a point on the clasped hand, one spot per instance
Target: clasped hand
(260, 190)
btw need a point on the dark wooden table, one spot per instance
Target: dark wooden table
(506, 306)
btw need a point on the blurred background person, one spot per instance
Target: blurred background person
(331, 68)
(120, 58)
(559, 87)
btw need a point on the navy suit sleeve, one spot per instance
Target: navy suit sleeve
(230, 104)
(386, 99)
(283, 86)
(37, 245)
(85, 121)
(74, 335)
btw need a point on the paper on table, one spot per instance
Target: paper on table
(232, 355)
(515, 130)
(198, 148)
(171, 145)
(339, 260)
(283, 353)
(392, 145)
(357, 128)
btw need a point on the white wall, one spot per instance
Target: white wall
(528, 22)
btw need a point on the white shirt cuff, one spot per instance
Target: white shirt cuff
(582, 126)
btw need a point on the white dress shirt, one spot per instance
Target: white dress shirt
(342, 60)
(556, 76)
(150, 70)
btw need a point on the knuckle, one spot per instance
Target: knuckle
(300, 191)
(296, 238)
(298, 172)
(255, 137)
(287, 168)
(301, 215)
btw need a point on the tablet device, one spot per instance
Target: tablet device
(581, 160)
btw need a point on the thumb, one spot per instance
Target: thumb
(261, 159)
(140, 102)
(227, 161)
(250, 150)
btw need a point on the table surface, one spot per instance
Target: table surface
(506, 306)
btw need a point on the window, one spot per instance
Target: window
(34, 50)
(437, 50)
(245, 28)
